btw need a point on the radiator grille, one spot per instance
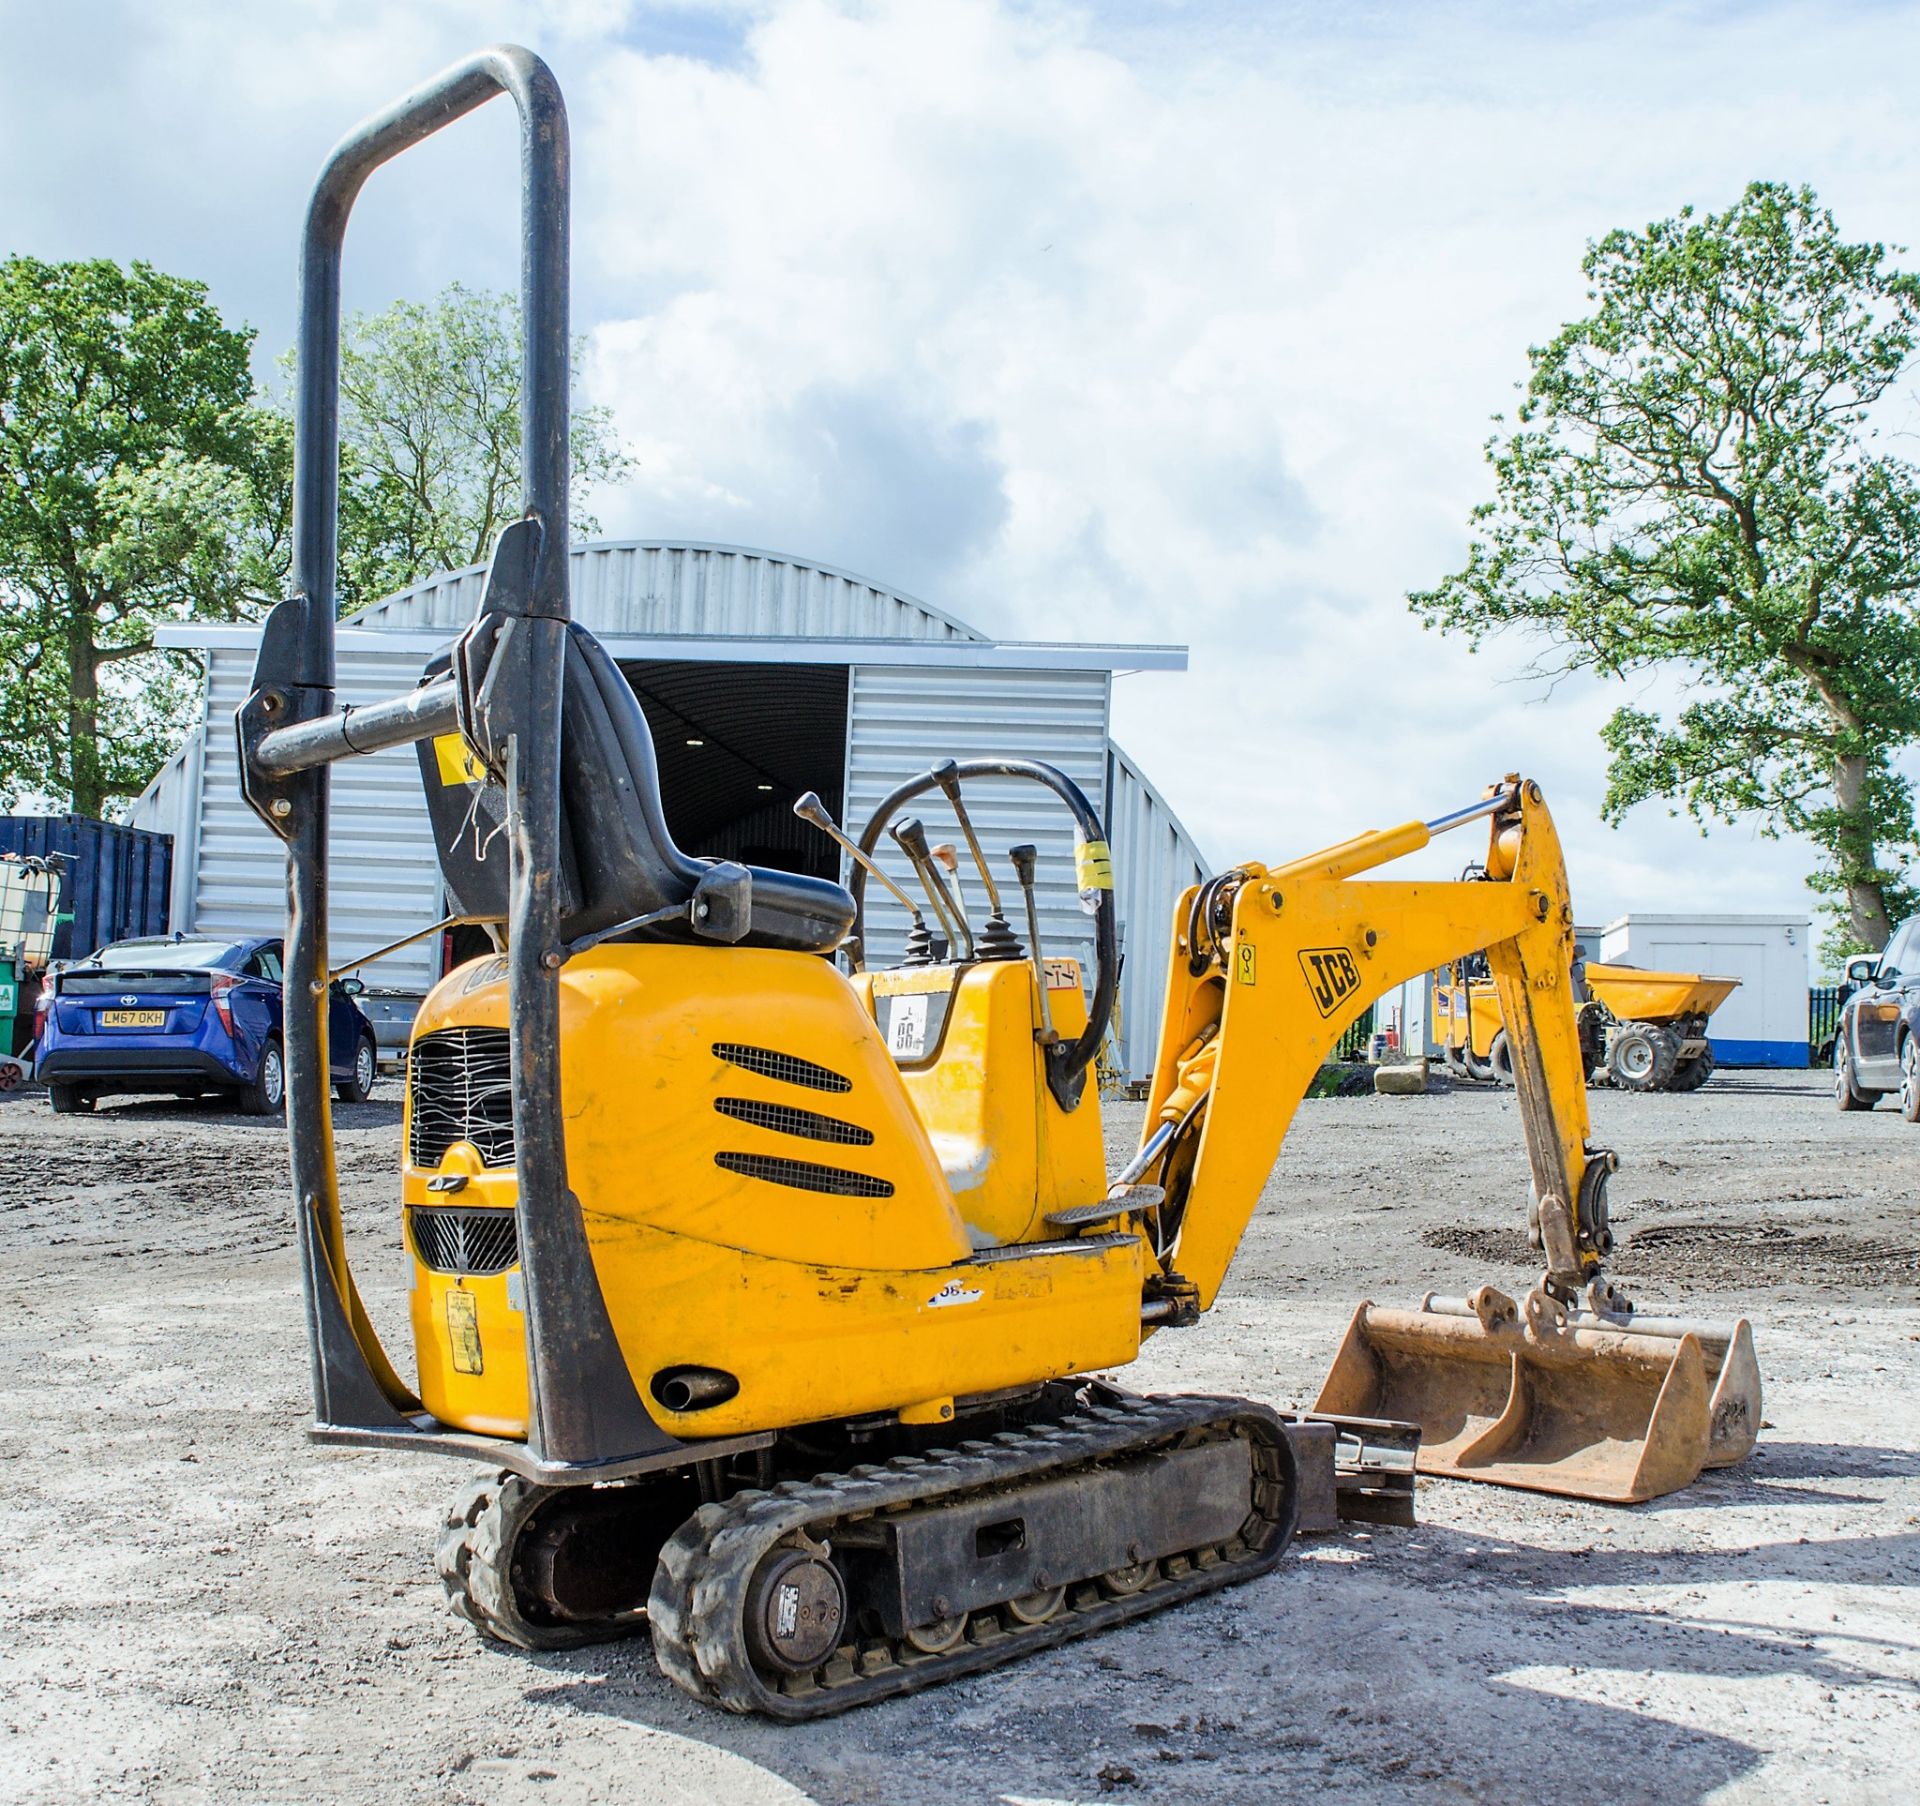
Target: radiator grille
(783, 1119)
(466, 1241)
(803, 1175)
(462, 1090)
(789, 1069)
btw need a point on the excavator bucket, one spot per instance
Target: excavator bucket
(1571, 1402)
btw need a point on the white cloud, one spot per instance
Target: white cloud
(1137, 321)
(1221, 314)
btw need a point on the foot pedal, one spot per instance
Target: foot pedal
(1119, 1202)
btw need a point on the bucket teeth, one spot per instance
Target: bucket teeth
(1538, 1397)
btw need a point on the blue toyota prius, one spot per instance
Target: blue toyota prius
(190, 1015)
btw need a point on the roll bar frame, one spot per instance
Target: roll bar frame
(586, 1419)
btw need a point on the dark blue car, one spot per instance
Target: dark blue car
(188, 1015)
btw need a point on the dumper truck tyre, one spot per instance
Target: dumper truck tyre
(1476, 1067)
(1910, 1078)
(68, 1100)
(1848, 1093)
(1500, 1059)
(1690, 1075)
(1642, 1057)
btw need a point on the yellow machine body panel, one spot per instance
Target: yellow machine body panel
(1467, 1015)
(761, 1196)
(964, 1037)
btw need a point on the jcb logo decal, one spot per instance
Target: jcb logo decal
(1332, 976)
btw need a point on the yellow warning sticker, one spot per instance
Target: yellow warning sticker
(457, 764)
(463, 1330)
(1092, 865)
(1244, 967)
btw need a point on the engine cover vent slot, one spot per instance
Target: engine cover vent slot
(788, 1069)
(466, 1241)
(461, 1089)
(784, 1119)
(804, 1175)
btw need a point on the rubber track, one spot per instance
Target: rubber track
(696, 1612)
(475, 1563)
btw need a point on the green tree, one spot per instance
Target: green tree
(139, 484)
(1692, 483)
(430, 440)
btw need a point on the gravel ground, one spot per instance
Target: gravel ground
(202, 1607)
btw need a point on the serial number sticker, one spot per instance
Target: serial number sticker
(1332, 976)
(1062, 974)
(463, 1330)
(952, 1293)
(456, 761)
(907, 1027)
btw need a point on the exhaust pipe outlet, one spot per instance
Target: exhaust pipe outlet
(682, 1389)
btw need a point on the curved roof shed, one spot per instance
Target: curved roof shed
(762, 676)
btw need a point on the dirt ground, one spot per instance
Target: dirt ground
(200, 1606)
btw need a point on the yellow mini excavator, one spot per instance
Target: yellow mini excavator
(771, 1295)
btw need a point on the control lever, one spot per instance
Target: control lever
(1025, 858)
(811, 809)
(996, 938)
(911, 834)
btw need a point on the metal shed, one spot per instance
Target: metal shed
(761, 676)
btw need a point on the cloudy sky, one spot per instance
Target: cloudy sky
(1131, 322)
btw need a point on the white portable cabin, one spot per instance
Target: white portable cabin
(1764, 1023)
(762, 676)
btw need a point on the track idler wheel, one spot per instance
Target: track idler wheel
(550, 1567)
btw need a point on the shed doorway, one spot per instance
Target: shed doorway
(737, 743)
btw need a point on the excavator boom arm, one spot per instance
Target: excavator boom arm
(1271, 966)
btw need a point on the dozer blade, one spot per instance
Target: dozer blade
(1612, 1409)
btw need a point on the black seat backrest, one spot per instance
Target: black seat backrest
(617, 858)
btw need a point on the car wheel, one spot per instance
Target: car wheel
(1847, 1095)
(268, 1092)
(1910, 1079)
(68, 1100)
(366, 1068)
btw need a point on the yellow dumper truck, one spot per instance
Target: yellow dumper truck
(1646, 1031)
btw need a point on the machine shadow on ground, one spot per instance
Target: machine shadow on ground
(1336, 1688)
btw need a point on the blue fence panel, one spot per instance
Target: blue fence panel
(116, 881)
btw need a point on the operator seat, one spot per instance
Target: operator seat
(617, 858)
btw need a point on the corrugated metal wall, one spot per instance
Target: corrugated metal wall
(902, 718)
(385, 881)
(678, 587)
(1154, 860)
